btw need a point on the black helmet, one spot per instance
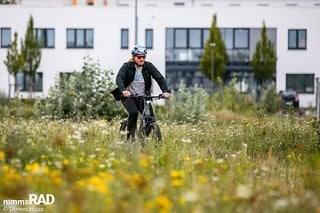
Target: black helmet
(138, 50)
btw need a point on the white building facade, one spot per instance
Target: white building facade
(174, 32)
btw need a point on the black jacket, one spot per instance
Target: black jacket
(127, 72)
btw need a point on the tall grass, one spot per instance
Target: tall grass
(227, 163)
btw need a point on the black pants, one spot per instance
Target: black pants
(133, 105)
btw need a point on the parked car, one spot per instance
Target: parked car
(290, 98)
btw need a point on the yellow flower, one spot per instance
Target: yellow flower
(2, 156)
(55, 177)
(202, 180)
(139, 181)
(186, 158)
(177, 182)
(65, 162)
(145, 161)
(182, 201)
(35, 168)
(177, 178)
(164, 203)
(177, 174)
(96, 184)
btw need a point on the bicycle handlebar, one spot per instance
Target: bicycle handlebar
(149, 97)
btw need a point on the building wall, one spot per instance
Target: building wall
(107, 21)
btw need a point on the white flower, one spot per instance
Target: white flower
(186, 140)
(220, 160)
(191, 196)
(244, 192)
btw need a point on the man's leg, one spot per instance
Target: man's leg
(132, 109)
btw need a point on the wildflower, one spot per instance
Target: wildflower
(55, 177)
(35, 168)
(177, 178)
(2, 156)
(220, 160)
(186, 140)
(177, 182)
(177, 174)
(139, 181)
(244, 192)
(186, 158)
(164, 203)
(190, 196)
(145, 161)
(202, 180)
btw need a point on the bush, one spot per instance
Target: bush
(187, 105)
(271, 100)
(229, 98)
(3, 99)
(84, 94)
(19, 108)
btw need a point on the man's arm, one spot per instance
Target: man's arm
(121, 76)
(158, 77)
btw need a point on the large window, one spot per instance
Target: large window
(195, 38)
(185, 44)
(79, 38)
(24, 82)
(149, 38)
(302, 83)
(5, 37)
(45, 37)
(124, 38)
(241, 38)
(180, 40)
(297, 39)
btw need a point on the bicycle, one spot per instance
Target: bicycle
(148, 127)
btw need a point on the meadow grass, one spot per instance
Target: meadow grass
(227, 163)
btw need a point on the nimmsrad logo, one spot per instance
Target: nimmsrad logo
(29, 205)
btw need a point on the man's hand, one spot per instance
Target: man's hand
(126, 94)
(166, 95)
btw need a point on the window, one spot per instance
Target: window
(149, 38)
(180, 38)
(169, 38)
(241, 38)
(301, 83)
(227, 35)
(5, 37)
(79, 38)
(205, 36)
(195, 38)
(23, 82)
(185, 44)
(297, 39)
(124, 38)
(45, 37)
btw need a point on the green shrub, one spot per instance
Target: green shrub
(271, 100)
(229, 98)
(19, 108)
(84, 94)
(187, 105)
(3, 98)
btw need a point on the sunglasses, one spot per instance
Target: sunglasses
(141, 57)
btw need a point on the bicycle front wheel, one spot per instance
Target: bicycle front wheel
(151, 131)
(155, 132)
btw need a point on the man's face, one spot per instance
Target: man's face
(139, 59)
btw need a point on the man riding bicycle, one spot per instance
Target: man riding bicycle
(134, 78)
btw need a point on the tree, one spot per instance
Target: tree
(264, 60)
(14, 60)
(219, 54)
(31, 52)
